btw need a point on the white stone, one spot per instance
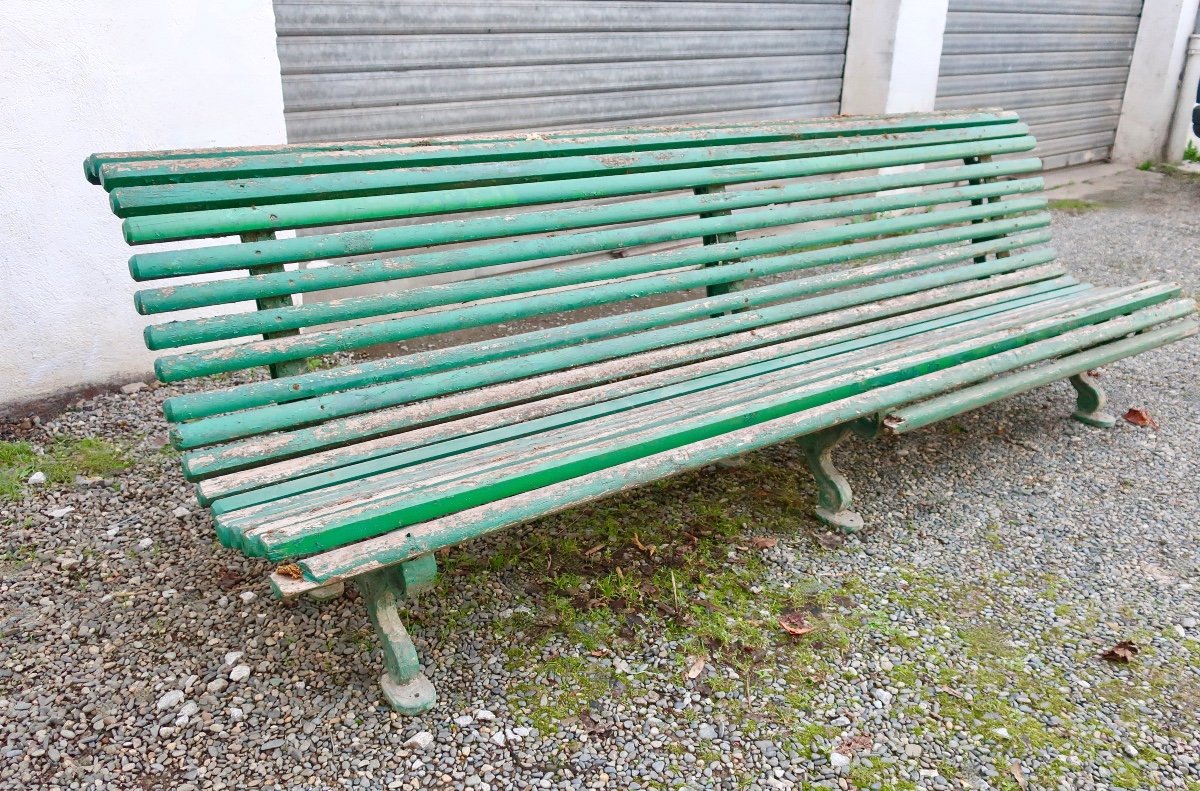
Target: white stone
(1188, 623)
(420, 740)
(232, 657)
(189, 708)
(837, 760)
(239, 673)
(913, 750)
(37, 479)
(522, 732)
(1001, 732)
(170, 699)
(133, 387)
(68, 564)
(247, 596)
(1179, 630)
(59, 513)
(498, 738)
(181, 513)
(236, 714)
(883, 696)
(217, 685)
(145, 544)
(483, 715)
(463, 720)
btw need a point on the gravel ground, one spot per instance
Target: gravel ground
(640, 642)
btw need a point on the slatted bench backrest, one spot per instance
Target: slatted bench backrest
(762, 217)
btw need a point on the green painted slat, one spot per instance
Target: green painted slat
(205, 432)
(208, 195)
(251, 422)
(224, 222)
(749, 338)
(206, 164)
(369, 519)
(718, 228)
(403, 545)
(180, 333)
(865, 336)
(495, 351)
(227, 257)
(683, 401)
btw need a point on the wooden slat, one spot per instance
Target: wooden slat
(747, 336)
(401, 545)
(204, 294)
(386, 511)
(224, 222)
(216, 164)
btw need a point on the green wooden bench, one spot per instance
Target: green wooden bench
(760, 283)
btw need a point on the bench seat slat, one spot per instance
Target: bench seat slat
(947, 304)
(757, 365)
(245, 453)
(369, 516)
(401, 545)
(218, 164)
(218, 428)
(272, 217)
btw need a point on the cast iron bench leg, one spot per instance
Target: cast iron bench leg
(404, 685)
(1089, 402)
(834, 497)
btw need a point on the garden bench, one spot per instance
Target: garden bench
(764, 282)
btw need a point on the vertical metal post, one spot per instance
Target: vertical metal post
(734, 285)
(287, 367)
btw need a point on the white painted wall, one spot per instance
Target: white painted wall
(1152, 90)
(79, 76)
(893, 55)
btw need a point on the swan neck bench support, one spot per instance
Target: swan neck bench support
(592, 310)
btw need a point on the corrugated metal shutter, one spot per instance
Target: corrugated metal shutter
(355, 70)
(1062, 64)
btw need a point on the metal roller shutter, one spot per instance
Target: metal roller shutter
(1062, 64)
(355, 70)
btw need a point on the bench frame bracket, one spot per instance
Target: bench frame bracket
(1090, 402)
(834, 497)
(405, 687)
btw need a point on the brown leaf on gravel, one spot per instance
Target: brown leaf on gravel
(859, 743)
(1140, 417)
(763, 542)
(794, 624)
(289, 570)
(1121, 653)
(1018, 774)
(696, 667)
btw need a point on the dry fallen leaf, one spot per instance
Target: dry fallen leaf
(794, 624)
(1018, 774)
(1122, 652)
(949, 691)
(859, 743)
(1140, 417)
(763, 542)
(593, 550)
(289, 570)
(696, 667)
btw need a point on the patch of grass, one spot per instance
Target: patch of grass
(1147, 165)
(1191, 153)
(61, 461)
(1074, 205)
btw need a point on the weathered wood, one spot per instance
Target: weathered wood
(870, 301)
(400, 545)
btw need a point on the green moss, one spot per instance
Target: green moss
(61, 462)
(1074, 205)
